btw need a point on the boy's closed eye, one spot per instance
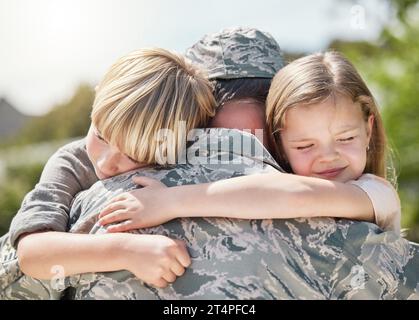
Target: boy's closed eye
(133, 160)
(99, 136)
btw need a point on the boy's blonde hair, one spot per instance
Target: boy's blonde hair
(313, 79)
(148, 90)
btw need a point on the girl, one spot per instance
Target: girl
(143, 92)
(327, 131)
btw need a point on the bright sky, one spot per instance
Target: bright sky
(48, 47)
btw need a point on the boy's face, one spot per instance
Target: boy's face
(107, 160)
(327, 140)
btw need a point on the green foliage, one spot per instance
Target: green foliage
(71, 119)
(402, 7)
(18, 181)
(391, 69)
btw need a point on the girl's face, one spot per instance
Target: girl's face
(107, 160)
(327, 140)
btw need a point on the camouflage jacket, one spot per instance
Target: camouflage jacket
(245, 259)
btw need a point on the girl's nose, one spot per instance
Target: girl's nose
(329, 154)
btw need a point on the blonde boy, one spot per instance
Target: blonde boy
(142, 93)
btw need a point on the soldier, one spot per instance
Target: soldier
(254, 259)
(241, 63)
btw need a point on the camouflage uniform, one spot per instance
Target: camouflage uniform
(254, 259)
(14, 284)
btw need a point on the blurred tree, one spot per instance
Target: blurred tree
(402, 7)
(70, 119)
(19, 180)
(391, 68)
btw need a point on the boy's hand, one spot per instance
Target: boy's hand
(140, 208)
(155, 259)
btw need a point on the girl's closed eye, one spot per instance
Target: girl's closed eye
(347, 139)
(306, 147)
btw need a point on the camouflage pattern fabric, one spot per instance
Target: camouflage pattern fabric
(255, 259)
(247, 259)
(299, 259)
(238, 53)
(14, 285)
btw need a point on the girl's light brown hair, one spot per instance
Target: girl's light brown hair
(313, 79)
(146, 91)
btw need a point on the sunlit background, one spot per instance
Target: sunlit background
(50, 46)
(53, 52)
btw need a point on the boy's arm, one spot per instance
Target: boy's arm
(273, 195)
(40, 253)
(46, 207)
(152, 258)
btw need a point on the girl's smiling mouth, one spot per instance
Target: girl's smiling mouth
(331, 173)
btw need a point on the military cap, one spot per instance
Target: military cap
(237, 53)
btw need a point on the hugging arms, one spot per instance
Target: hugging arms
(319, 258)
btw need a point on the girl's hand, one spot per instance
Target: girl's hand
(140, 208)
(155, 259)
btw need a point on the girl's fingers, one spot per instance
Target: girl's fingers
(177, 269)
(116, 216)
(121, 197)
(111, 208)
(121, 227)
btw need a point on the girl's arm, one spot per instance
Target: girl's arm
(260, 196)
(273, 195)
(152, 258)
(384, 199)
